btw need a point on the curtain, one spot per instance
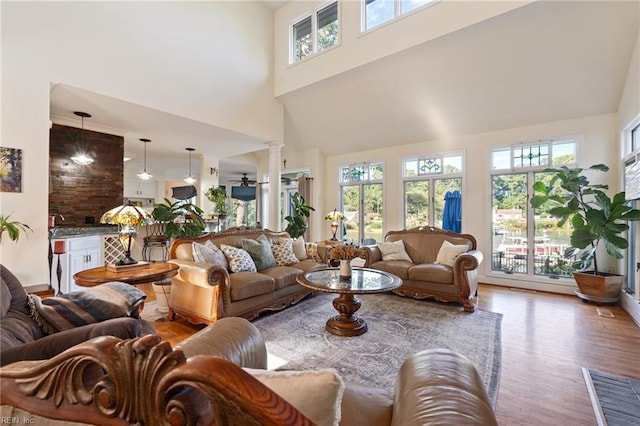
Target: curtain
(452, 215)
(304, 189)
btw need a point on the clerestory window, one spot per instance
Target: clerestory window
(318, 30)
(377, 12)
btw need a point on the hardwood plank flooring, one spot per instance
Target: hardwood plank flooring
(546, 339)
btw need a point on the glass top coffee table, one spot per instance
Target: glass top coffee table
(363, 281)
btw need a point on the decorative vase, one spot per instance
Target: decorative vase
(345, 269)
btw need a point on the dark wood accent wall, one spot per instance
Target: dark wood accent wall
(83, 193)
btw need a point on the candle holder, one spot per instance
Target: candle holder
(59, 247)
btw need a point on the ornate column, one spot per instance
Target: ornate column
(275, 148)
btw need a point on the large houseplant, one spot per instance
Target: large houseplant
(297, 220)
(218, 196)
(182, 219)
(595, 218)
(12, 227)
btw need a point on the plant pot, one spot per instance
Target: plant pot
(603, 288)
(163, 291)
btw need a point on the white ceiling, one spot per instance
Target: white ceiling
(543, 62)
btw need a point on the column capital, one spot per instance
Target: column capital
(274, 145)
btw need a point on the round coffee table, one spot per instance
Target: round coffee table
(363, 281)
(156, 271)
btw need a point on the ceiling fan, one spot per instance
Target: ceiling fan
(244, 181)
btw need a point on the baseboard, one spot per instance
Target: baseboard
(560, 287)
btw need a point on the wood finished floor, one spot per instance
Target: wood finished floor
(546, 339)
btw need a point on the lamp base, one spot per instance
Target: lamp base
(127, 260)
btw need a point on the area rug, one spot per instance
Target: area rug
(615, 399)
(150, 312)
(398, 327)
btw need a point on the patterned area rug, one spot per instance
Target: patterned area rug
(398, 327)
(615, 399)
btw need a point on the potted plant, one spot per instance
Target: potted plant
(12, 227)
(297, 221)
(218, 196)
(182, 219)
(595, 218)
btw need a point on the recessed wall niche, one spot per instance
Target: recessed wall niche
(83, 193)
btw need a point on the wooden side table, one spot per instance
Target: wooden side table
(157, 271)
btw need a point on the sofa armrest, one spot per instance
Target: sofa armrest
(439, 386)
(234, 339)
(371, 254)
(469, 260)
(200, 273)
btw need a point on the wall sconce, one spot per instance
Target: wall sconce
(215, 171)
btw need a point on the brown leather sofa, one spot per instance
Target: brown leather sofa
(190, 386)
(205, 292)
(421, 276)
(22, 338)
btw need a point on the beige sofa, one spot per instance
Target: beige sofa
(452, 279)
(108, 381)
(205, 292)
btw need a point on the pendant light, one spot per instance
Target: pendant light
(144, 175)
(190, 180)
(82, 158)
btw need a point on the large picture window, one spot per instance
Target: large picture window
(315, 32)
(527, 241)
(361, 202)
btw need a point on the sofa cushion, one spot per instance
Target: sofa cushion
(5, 299)
(239, 259)
(448, 253)
(209, 253)
(309, 265)
(283, 275)
(243, 285)
(260, 251)
(315, 393)
(283, 252)
(394, 250)
(396, 267)
(364, 405)
(433, 272)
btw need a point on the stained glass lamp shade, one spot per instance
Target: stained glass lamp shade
(334, 217)
(127, 217)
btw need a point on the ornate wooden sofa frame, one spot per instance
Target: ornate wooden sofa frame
(109, 381)
(423, 278)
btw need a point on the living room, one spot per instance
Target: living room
(238, 77)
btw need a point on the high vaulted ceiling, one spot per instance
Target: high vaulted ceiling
(543, 62)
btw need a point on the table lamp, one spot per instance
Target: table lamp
(334, 217)
(127, 217)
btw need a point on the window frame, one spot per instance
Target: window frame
(361, 184)
(398, 13)
(313, 14)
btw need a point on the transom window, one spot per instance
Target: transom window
(541, 154)
(315, 32)
(377, 12)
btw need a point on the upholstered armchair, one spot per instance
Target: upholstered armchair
(22, 338)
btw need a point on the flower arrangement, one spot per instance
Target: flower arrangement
(344, 252)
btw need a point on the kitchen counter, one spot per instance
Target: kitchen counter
(63, 232)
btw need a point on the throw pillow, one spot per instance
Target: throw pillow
(299, 248)
(260, 251)
(283, 252)
(239, 260)
(394, 250)
(315, 393)
(312, 251)
(209, 253)
(448, 253)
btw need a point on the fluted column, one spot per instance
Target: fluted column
(275, 149)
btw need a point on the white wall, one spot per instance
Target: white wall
(357, 48)
(208, 61)
(597, 138)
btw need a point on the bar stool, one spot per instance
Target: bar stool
(156, 238)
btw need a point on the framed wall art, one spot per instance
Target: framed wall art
(10, 169)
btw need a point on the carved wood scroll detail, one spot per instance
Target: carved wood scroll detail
(109, 381)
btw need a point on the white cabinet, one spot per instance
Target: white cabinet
(136, 188)
(80, 253)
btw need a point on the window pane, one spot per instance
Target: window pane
(328, 26)
(376, 171)
(531, 156)
(416, 204)
(351, 210)
(410, 168)
(452, 164)
(373, 212)
(407, 5)
(377, 12)
(509, 206)
(501, 159)
(550, 240)
(564, 152)
(441, 187)
(303, 43)
(430, 166)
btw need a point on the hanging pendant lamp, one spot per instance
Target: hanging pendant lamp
(144, 175)
(190, 180)
(82, 158)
